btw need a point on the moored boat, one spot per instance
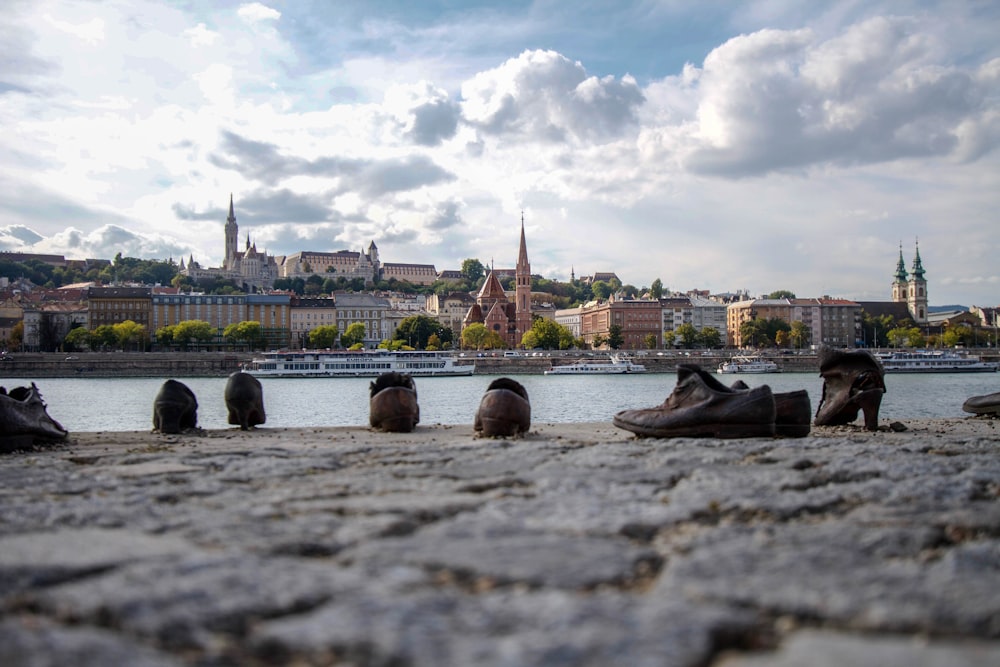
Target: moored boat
(617, 365)
(748, 364)
(363, 363)
(933, 361)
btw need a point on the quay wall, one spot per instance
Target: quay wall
(212, 364)
(121, 364)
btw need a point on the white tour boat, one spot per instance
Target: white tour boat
(933, 361)
(748, 364)
(363, 363)
(615, 366)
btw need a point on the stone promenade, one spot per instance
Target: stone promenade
(576, 545)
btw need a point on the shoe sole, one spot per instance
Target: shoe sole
(498, 427)
(727, 431)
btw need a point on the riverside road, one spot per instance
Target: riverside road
(576, 545)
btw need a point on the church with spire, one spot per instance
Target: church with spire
(494, 309)
(911, 288)
(255, 271)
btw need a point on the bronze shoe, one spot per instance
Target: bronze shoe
(987, 404)
(504, 410)
(793, 411)
(393, 405)
(24, 419)
(175, 408)
(701, 406)
(853, 380)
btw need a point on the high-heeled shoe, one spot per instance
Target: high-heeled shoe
(853, 380)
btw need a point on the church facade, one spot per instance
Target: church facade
(911, 288)
(493, 308)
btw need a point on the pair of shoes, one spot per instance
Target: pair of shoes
(24, 418)
(701, 406)
(853, 380)
(504, 410)
(393, 406)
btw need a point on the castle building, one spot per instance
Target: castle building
(911, 289)
(493, 308)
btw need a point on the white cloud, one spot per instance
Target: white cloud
(256, 12)
(91, 32)
(200, 35)
(812, 143)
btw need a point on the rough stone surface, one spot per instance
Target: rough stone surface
(574, 545)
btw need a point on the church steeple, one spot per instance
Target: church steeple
(522, 290)
(232, 234)
(901, 266)
(918, 268)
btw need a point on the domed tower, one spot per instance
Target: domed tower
(917, 296)
(900, 287)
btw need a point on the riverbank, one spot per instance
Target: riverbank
(576, 545)
(221, 364)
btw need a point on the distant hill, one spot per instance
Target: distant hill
(945, 309)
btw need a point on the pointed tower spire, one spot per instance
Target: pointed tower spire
(232, 215)
(901, 265)
(522, 291)
(918, 268)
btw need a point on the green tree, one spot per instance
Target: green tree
(129, 333)
(782, 338)
(601, 290)
(392, 345)
(669, 339)
(248, 332)
(598, 341)
(493, 341)
(103, 337)
(914, 337)
(417, 329)
(77, 338)
(615, 338)
(687, 335)
(711, 337)
(650, 341)
(165, 336)
(473, 270)
(781, 294)
(656, 289)
(754, 333)
(434, 342)
(547, 334)
(799, 334)
(197, 331)
(898, 336)
(353, 335)
(473, 336)
(324, 336)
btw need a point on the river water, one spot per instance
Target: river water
(125, 404)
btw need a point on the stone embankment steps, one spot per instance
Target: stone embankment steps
(576, 545)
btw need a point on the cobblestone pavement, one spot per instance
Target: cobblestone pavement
(576, 545)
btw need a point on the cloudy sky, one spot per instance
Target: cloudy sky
(715, 145)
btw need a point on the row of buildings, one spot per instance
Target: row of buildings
(287, 319)
(256, 270)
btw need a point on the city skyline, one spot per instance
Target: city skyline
(754, 146)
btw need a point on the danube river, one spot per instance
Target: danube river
(125, 404)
